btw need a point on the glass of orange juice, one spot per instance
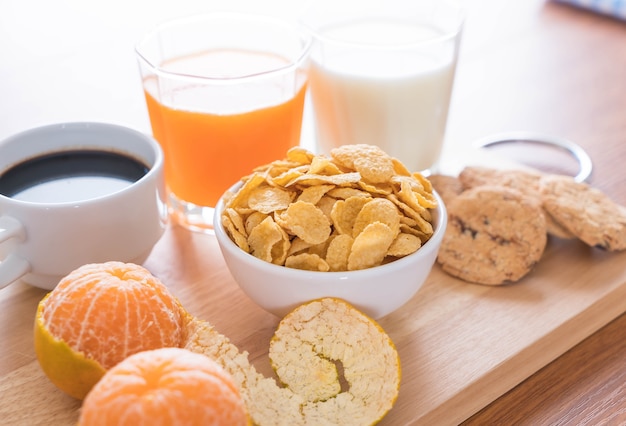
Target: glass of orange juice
(225, 94)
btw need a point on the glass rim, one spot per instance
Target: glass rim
(294, 63)
(317, 32)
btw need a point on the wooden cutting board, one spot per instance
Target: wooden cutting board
(461, 345)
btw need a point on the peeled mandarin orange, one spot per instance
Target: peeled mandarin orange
(99, 315)
(168, 386)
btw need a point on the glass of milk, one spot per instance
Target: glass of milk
(382, 73)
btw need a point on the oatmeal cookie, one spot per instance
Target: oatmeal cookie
(586, 212)
(495, 236)
(525, 181)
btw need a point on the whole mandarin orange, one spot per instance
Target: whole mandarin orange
(168, 386)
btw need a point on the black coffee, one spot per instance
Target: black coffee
(71, 176)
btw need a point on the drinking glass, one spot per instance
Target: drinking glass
(382, 74)
(225, 93)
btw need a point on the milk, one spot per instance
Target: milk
(395, 95)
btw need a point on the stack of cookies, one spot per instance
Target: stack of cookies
(499, 221)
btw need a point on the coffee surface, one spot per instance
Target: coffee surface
(70, 176)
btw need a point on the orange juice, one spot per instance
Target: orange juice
(211, 137)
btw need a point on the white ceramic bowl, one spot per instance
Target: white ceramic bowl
(375, 291)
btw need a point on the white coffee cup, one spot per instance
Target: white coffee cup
(41, 241)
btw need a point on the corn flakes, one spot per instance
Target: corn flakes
(356, 209)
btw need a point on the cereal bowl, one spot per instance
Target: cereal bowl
(376, 291)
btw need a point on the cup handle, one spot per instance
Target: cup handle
(12, 267)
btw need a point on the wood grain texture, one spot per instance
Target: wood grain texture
(547, 350)
(586, 385)
(461, 345)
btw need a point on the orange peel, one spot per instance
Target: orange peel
(334, 364)
(310, 347)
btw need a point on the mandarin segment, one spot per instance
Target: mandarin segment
(168, 386)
